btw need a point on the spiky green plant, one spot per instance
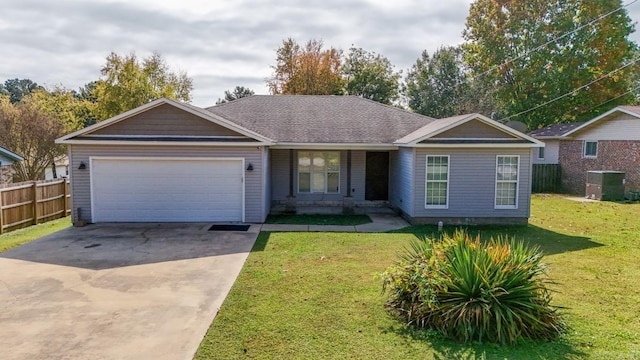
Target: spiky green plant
(471, 291)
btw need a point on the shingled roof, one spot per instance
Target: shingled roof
(321, 119)
(555, 130)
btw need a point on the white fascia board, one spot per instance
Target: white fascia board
(489, 145)
(163, 143)
(598, 118)
(557, 137)
(185, 107)
(481, 118)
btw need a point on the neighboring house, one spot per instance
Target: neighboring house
(610, 141)
(7, 158)
(551, 136)
(62, 169)
(168, 161)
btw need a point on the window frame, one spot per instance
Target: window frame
(325, 172)
(516, 182)
(427, 181)
(541, 151)
(585, 146)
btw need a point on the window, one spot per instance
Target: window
(541, 153)
(437, 182)
(318, 172)
(507, 182)
(590, 148)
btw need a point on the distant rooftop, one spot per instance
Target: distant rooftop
(555, 129)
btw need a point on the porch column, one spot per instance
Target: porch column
(348, 204)
(290, 204)
(349, 173)
(290, 172)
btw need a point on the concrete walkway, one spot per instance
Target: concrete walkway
(380, 223)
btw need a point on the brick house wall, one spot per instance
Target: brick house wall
(611, 155)
(6, 174)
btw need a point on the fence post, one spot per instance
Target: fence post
(66, 202)
(35, 203)
(1, 213)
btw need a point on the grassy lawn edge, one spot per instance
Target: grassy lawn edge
(18, 237)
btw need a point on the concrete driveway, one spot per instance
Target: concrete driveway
(117, 291)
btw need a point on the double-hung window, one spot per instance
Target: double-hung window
(540, 153)
(590, 149)
(319, 172)
(507, 181)
(437, 182)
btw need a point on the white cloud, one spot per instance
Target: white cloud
(219, 44)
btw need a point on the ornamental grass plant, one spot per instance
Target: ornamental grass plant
(473, 291)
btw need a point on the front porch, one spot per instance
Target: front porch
(318, 181)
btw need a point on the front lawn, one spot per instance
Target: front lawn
(314, 295)
(18, 237)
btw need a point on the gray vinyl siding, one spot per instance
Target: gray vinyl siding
(620, 127)
(280, 176)
(472, 176)
(401, 179)
(165, 120)
(474, 129)
(81, 179)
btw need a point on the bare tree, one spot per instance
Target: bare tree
(31, 131)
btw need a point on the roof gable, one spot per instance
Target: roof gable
(164, 119)
(467, 130)
(474, 129)
(623, 115)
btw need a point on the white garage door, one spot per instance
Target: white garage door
(166, 190)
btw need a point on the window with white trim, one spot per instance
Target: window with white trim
(437, 182)
(319, 172)
(590, 149)
(540, 153)
(507, 181)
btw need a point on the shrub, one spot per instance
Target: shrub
(474, 291)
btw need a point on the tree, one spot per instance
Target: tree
(371, 76)
(238, 92)
(29, 130)
(127, 83)
(534, 52)
(439, 86)
(70, 110)
(307, 70)
(18, 88)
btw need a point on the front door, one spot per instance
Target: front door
(377, 176)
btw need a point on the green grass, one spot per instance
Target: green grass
(314, 295)
(18, 237)
(319, 219)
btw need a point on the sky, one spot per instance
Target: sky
(219, 44)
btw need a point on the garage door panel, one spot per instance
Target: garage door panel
(158, 190)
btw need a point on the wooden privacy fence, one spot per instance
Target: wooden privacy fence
(545, 178)
(30, 203)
